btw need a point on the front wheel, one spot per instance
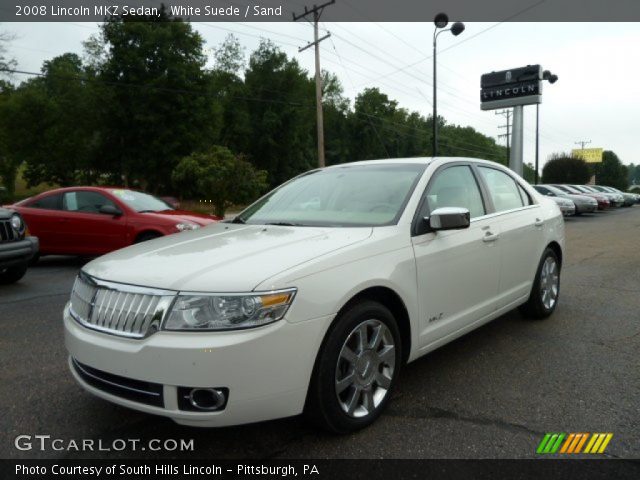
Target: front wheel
(546, 288)
(356, 369)
(12, 274)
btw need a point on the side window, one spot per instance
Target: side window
(502, 188)
(455, 187)
(50, 202)
(542, 190)
(526, 198)
(85, 201)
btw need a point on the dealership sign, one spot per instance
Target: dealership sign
(589, 155)
(509, 88)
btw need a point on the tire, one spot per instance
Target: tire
(545, 292)
(146, 236)
(12, 274)
(346, 375)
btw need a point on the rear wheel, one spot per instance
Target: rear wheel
(356, 369)
(12, 274)
(546, 288)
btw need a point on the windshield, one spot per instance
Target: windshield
(350, 195)
(140, 202)
(555, 190)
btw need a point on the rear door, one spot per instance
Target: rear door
(522, 233)
(457, 270)
(43, 216)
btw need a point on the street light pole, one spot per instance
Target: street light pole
(441, 20)
(535, 178)
(435, 99)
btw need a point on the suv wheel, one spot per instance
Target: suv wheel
(356, 369)
(12, 274)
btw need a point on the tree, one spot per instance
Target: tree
(633, 174)
(563, 168)
(229, 56)
(157, 104)
(221, 176)
(279, 96)
(5, 62)
(52, 125)
(611, 172)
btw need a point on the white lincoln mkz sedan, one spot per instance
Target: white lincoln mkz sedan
(313, 298)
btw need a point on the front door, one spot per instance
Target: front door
(457, 270)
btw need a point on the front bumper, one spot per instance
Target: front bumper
(567, 210)
(586, 207)
(15, 253)
(266, 370)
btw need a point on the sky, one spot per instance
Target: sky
(596, 99)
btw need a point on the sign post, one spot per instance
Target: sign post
(513, 88)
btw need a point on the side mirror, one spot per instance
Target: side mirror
(110, 210)
(449, 218)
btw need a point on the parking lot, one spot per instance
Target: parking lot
(493, 393)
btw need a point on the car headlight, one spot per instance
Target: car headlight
(187, 226)
(17, 223)
(228, 311)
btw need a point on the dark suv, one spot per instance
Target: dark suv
(16, 249)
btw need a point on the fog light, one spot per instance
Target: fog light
(202, 399)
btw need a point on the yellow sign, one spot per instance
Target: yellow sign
(589, 155)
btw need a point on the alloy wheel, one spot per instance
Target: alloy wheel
(365, 368)
(549, 283)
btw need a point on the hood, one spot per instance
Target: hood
(222, 257)
(184, 215)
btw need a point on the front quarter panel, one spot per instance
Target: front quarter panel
(324, 287)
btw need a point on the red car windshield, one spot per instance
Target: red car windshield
(140, 202)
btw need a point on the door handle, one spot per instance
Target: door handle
(538, 222)
(490, 237)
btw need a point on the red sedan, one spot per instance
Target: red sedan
(96, 220)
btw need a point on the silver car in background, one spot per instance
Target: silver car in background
(583, 203)
(566, 205)
(615, 199)
(628, 198)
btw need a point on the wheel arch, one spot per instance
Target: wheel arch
(390, 299)
(147, 231)
(557, 249)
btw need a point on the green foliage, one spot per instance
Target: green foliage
(633, 174)
(563, 168)
(611, 172)
(155, 106)
(140, 101)
(229, 56)
(220, 176)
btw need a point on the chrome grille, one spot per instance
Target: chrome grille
(118, 309)
(7, 233)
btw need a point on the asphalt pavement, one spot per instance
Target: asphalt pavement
(491, 394)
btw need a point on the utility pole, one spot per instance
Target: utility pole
(582, 143)
(507, 114)
(316, 11)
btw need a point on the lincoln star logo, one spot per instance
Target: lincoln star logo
(507, 77)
